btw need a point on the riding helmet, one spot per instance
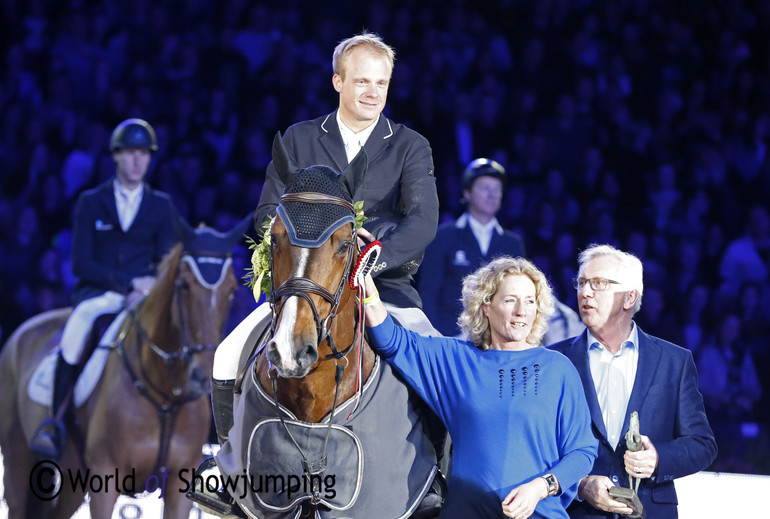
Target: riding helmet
(133, 133)
(482, 167)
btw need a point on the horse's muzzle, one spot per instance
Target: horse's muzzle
(302, 358)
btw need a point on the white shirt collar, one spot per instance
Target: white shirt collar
(130, 194)
(465, 218)
(632, 341)
(351, 138)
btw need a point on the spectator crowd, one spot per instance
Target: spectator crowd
(654, 115)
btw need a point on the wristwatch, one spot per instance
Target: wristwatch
(553, 484)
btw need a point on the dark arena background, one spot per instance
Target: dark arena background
(644, 124)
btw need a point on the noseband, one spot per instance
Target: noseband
(302, 286)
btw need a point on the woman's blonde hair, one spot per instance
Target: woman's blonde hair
(479, 288)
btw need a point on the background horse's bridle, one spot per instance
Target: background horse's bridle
(168, 410)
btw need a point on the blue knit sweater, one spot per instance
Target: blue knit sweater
(512, 416)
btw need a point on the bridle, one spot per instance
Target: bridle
(302, 286)
(167, 406)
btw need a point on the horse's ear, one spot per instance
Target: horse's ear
(284, 163)
(236, 233)
(183, 229)
(353, 176)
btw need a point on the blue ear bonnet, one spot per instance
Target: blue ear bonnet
(308, 224)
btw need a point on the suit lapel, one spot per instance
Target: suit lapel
(107, 196)
(649, 356)
(578, 353)
(379, 140)
(331, 140)
(469, 243)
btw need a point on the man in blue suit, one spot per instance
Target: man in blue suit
(625, 370)
(464, 245)
(121, 231)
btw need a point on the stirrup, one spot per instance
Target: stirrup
(219, 503)
(48, 439)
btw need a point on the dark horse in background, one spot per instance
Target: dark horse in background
(149, 413)
(315, 405)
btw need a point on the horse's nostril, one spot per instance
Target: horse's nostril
(310, 353)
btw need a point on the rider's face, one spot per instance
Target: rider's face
(131, 165)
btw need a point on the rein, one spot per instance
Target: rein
(167, 410)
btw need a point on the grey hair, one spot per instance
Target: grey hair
(368, 40)
(631, 267)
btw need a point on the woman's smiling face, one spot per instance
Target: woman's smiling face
(512, 312)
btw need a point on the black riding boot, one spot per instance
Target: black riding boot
(222, 405)
(48, 440)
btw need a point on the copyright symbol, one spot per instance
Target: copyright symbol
(45, 480)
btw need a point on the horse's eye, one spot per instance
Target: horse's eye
(182, 285)
(344, 246)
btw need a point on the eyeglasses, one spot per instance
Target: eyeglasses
(597, 284)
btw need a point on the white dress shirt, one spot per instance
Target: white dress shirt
(127, 202)
(354, 141)
(614, 377)
(483, 231)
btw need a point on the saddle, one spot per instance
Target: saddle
(40, 388)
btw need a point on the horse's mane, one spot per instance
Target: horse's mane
(170, 260)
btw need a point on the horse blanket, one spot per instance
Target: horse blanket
(380, 462)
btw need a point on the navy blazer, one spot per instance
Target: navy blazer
(671, 414)
(454, 254)
(104, 257)
(399, 183)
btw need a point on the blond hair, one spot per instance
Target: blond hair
(479, 288)
(367, 40)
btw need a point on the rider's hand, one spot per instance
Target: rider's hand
(143, 285)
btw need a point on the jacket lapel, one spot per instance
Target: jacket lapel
(649, 357)
(331, 140)
(579, 355)
(469, 243)
(379, 140)
(107, 196)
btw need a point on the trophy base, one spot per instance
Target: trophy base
(629, 497)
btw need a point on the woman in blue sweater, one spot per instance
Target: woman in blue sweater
(516, 412)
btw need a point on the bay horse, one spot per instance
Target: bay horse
(314, 402)
(148, 417)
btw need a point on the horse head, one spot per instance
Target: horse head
(313, 249)
(199, 278)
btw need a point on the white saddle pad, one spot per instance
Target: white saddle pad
(40, 388)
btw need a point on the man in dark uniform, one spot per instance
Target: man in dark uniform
(398, 191)
(399, 187)
(464, 245)
(121, 231)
